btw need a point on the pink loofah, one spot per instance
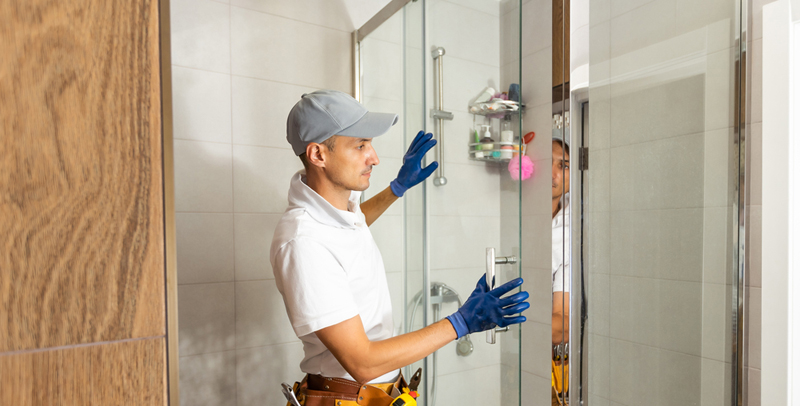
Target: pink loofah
(514, 167)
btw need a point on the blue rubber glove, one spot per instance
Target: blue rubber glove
(412, 173)
(485, 309)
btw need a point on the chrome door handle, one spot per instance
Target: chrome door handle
(491, 261)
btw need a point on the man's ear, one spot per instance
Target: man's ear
(315, 154)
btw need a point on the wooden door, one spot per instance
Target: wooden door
(82, 291)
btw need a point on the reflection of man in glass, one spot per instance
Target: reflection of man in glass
(561, 269)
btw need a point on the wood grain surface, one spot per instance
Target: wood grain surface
(124, 373)
(81, 210)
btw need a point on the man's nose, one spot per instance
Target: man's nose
(373, 157)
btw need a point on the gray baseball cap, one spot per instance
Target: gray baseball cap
(322, 114)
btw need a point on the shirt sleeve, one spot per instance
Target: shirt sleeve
(314, 286)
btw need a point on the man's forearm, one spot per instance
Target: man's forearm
(377, 205)
(366, 360)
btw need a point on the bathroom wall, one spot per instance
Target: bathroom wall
(238, 67)
(661, 185)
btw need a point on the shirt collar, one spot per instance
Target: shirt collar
(302, 196)
(562, 216)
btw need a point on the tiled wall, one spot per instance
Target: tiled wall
(238, 67)
(661, 187)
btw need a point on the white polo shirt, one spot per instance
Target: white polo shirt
(561, 251)
(328, 270)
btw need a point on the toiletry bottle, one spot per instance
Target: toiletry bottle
(477, 149)
(487, 141)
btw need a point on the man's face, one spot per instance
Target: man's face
(351, 162)
(560, 170)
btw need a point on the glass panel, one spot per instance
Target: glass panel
(661, 202)
(448, 228)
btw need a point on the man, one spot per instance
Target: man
(560, 268)
(330, 272)
(561, 252)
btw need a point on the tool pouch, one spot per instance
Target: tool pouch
(317, 390)
(560, 377)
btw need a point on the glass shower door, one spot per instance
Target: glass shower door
(446, 229)
(662, 203)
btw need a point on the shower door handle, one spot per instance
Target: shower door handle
(491, 261)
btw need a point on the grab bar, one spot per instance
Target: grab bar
(440, 115)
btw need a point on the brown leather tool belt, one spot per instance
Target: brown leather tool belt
(317, 390)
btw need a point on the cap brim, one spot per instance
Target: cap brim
(370, 126)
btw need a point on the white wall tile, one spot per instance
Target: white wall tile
(692, 15)
(208, 379)
(471, 190)
(459, 388)
(633, 310)
(253, 238)
(538, 284)
(261, 316)
(720, 158)
(666, 244)
(719, 90)
(381, 64)
(537, 29)
(205, 247)
(261, 178)
(318, 12)
(200, 34)
(754, 387)
(491, 8)
(599, 361)
(461, 241)
(537, 65)
(510, 38)
(599, 294)
(658, 112)
(651, 23)
(658, 175)
(535, 389)
(684, 372)
(464, 80)
(268, 47)
(465, 33)
(203, 177)
(714, 383)
(260, 371)
(201, 105)
(260, 110)
(716, 248)
(537, 348)
(633, 373)
(207, 318)
(716, 300)
(680, 325)
(537, 245)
